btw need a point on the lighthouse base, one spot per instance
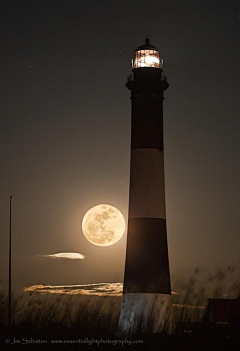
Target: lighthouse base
(146, 312)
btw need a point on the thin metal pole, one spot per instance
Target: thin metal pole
(10, 267)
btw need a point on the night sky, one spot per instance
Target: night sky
(65, 131)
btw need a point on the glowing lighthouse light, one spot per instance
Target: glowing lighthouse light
(151, 60)
(147, 56)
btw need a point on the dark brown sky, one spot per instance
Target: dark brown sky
(65, 130)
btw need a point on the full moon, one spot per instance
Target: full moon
(103, 225)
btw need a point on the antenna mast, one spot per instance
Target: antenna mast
(10, 267)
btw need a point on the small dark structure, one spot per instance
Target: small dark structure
(223, 311)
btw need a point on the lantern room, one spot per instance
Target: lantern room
(147, 55)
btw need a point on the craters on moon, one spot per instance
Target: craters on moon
(103, 225)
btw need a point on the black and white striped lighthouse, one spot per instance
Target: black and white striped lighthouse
(146, 289)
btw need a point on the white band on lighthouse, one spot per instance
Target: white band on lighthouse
(147, 194)
(156, 308)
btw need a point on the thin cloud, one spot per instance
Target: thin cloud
(65, 255)
(94, 289)
(98, 289)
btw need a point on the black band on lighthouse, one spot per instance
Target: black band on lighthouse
(147, 268)
(147, 121)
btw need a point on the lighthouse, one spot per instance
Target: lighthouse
(146, 290)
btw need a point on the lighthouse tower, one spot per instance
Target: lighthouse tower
(146, 289)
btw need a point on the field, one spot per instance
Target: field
(67, 319)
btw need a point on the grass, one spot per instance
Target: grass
(74, 317)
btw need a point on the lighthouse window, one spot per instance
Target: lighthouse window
(147, 58)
